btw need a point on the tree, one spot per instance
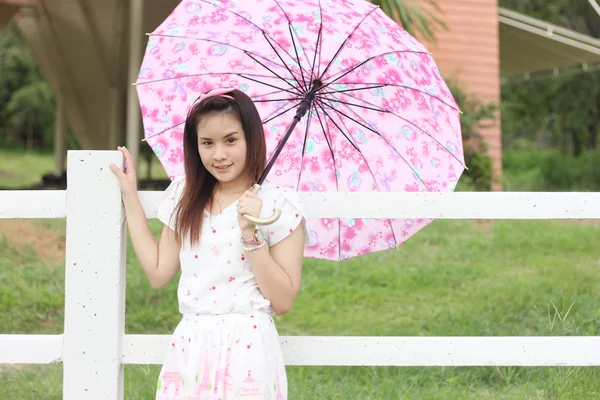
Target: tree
(25, 98)
(561, 111)
(415, 19)
(574, 14)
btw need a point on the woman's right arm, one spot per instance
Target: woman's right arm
(160, 260)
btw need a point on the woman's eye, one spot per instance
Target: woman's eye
(205, 143)
(231, 140)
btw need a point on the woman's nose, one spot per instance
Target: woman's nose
(220, 153)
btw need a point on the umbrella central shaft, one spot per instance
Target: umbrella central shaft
(308, 99)
(302, 109)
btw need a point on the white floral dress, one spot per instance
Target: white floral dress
(226, 345)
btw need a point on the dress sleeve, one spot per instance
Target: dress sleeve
(170, 200)
(292, 215)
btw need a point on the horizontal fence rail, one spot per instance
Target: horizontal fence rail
(455, 205)
(530, 351)
(30, 349)
(405, 351)
(33, 204)
(94, 346)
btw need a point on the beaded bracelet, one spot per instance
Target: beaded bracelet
(248, 241)
(256, 247)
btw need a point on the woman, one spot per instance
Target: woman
(234, 275)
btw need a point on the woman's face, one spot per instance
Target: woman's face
(222, 147)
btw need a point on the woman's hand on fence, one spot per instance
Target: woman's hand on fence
(127, 178)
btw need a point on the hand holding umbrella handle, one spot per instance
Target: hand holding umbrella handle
(262, 221)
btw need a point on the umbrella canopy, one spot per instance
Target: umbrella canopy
(349, 101)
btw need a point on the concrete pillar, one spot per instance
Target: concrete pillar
(94, 279)
(60, 134)
(136, 47)
(116, 118)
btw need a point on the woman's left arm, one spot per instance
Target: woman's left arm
(278, 270)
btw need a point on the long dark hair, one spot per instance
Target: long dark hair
(199, 183)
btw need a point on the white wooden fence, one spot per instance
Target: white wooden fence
(94, 346)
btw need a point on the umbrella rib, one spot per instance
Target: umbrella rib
(337, 185)
(366, 125)
(257, 27)
(346, 136)
(337, 53)
(378, 109)
(317, 51)
(273, 72)
(370, 170)
(284, 63)
(377, 86)
(341, 131)
(163, 131)
(329, 146)
(304, 146)
(222, 44)
(269, 85)
(319, 44)
(352, 68)
(297, 55)
(413, 124)
(203, 74)
(292, 31)
(273, 92)
(269, 93)
(281, 113)
(273, 100)
(181, 123)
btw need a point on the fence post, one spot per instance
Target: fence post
(95, 278)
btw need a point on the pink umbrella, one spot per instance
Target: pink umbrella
(350, 102)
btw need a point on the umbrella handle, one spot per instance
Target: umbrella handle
(262, 221)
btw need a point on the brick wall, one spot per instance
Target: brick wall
(469, 52)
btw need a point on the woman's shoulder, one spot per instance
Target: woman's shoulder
(276, 194)
(171, 197)
(286, 199)
(271, 190)
(176, 186)
(178, 181)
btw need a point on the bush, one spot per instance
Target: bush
(550, 170)
(479, 175)
(569, 173)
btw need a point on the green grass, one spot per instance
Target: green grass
(454, 278)
(527, 168)
(467, 278)
(22, 169)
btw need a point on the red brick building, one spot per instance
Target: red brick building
(484, 44)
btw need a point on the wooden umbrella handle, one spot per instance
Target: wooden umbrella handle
(262, 221)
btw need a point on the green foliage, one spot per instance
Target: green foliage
(27, 101)
(582, 173)
(574, 14)
(474, 116)
(561, 112)
(479, 176)
(530, 169)
(417, 18)
(456, 278)
(31, 109)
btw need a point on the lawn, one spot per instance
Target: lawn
(22, 169)
(467, 278)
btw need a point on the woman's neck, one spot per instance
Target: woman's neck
(235, 187)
